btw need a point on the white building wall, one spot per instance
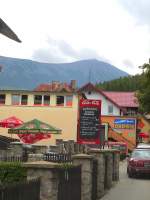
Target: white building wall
(105, 103)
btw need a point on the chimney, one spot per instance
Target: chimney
(73, 84)
(55, 85)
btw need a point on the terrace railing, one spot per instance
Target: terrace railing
(19, 158)
(57, 157)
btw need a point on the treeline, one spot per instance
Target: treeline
(129, 83)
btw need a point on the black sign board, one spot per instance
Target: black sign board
(89, 121)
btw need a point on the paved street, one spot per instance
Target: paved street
(129, 189)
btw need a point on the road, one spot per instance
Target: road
(129, 189)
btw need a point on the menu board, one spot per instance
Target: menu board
(89, 121)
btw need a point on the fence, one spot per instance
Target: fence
(13, 158)
(94, 179)
(58, 157)
(28, 190)
(69, 187)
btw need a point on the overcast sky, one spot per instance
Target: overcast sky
(115, 31)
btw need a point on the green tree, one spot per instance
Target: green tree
(143, 94)
(129, 83)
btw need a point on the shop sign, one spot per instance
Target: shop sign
(124, 123)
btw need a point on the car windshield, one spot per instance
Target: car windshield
(142, 146)
(141, 154)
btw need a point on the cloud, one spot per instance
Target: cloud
(128, 63)
(140, 9)
(47, 55)
(88, 54)
(59, 51)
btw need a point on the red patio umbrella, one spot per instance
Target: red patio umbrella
(143, 135)
(10, 122)
(33, 138)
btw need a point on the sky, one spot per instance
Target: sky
(60, 31)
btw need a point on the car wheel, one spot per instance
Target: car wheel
(127, 170)
(130, 174)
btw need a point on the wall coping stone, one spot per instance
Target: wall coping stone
(41, 164)
(82, 156)
(94, 150)
(39, 145)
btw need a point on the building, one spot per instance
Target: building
(118, 113)
(127, 101)
(54, 103)
(57, 103)
(113, 103)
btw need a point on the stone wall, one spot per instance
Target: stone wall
(108, 171)
(86, 174)
(35, 157)
(100, 156)
(18, 148)
(107, 167)
(49, 178)
(71, 147)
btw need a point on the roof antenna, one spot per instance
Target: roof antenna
(90, 75)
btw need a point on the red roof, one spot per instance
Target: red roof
(55, 87)
(120, 99)
(90, 87)
(123, 99)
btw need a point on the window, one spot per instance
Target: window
(60, 101)
(46, 100)
(15, 99)
(131, 111)
(42, 100)
(37, 99)
(2, 98)
(110, 109)
(24, 99)
(64, 100)
(69, 100)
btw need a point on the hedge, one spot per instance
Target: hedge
(11, 172)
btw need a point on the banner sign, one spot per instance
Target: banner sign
(89, 121)
(124, 123)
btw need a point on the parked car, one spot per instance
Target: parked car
(139, 162)
(143, 146)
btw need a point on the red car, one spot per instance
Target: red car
(139, 162)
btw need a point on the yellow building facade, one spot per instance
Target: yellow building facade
(58, 109)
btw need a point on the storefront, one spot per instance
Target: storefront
(120, 128)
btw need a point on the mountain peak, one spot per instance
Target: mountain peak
(28, 74)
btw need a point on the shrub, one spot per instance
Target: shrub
(66, 166)
(11, 172)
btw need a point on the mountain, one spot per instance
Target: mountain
(27, 74)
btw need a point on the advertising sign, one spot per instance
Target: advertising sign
(124, 123)
(89, 121)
